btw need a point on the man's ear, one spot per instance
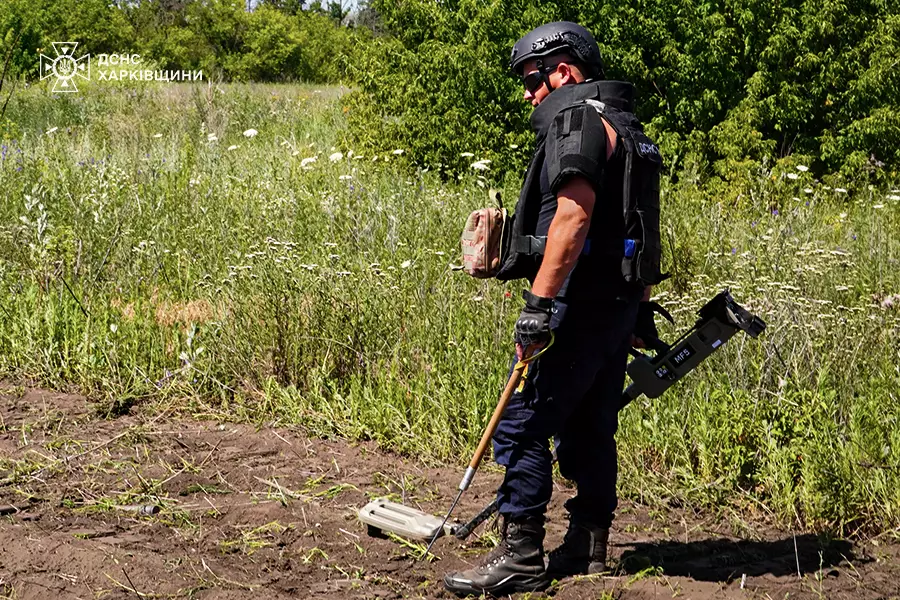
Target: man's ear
(566, 75)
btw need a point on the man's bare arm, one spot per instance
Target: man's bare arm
(565, 239)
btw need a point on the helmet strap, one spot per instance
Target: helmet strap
(545, 74)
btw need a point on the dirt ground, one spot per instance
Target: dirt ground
(270, 513)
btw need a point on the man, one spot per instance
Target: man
(568, 238)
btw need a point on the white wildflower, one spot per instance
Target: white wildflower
(51, 130)
(335, 157)
(802, 168)
(467, 155)
(513, 146)
(308, 161)
(405, 264)
(398, 152)
(480, 165)
(250, 133)
(212, 138)
(840, 190)
(113, 327)
(807, 190)
(792, 176)
(157, 135)
(232, 147)
(878, 206)
(893, 197)
(345, 177)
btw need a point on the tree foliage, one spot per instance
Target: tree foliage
(278, 41)
(719, 81)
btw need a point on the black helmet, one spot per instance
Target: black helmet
(552, 38)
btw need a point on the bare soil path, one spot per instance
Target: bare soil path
(269, 513)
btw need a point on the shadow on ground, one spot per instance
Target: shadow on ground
(724, 559)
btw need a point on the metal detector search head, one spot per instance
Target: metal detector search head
(382, 515)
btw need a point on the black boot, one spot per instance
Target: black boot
(582, 552)
(515, 565)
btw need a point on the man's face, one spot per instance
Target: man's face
(563, 74)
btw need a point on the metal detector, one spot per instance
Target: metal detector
(720, 319)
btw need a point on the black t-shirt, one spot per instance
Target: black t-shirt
(602, 265)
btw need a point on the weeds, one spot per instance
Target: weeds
(251, 540)
(314, 555)
(416, 549)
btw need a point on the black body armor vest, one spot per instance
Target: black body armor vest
(624, 234)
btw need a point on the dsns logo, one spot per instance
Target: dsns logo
(65, 67)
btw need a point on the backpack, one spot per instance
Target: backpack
(640, 196)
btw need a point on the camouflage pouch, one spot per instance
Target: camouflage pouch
(482, 240)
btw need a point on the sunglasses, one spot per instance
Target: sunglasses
(534, 80)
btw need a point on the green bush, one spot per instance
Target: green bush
(718, 82)
(440, 87)
(222, 38)
(217, 36)
(95, 24)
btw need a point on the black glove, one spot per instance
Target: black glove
(645, 327)
(533, 326)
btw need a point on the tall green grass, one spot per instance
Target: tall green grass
(151, 250)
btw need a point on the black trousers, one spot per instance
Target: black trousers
(572, 392)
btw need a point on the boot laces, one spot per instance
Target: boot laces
(495, 556)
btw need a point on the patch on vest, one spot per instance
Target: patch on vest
(645, 149)
(576, 146)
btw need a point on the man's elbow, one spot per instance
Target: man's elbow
(575, 203)
(573, 220)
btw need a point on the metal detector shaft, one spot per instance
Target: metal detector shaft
(463, 531)
(469, 475)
